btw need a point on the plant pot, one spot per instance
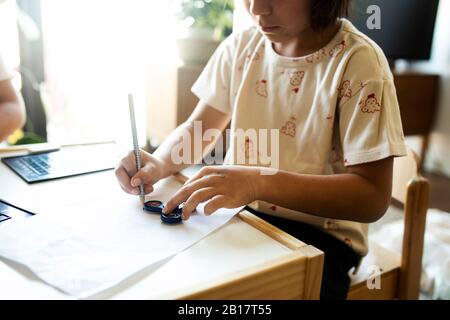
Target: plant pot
(197, 46)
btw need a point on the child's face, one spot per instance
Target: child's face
(280, 20)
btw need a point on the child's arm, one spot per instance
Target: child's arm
(160, 164)
(12, 109)
(208, 118)
(362, 194)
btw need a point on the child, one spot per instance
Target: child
(328, 91)
(12, 109)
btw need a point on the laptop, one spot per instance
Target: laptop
(9, 211)
(66, 162)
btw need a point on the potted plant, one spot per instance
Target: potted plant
(203, 25)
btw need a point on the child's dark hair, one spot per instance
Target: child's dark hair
(325, 12)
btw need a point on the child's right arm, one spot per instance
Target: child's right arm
(160, 164)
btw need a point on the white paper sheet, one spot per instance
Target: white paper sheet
(86, 247)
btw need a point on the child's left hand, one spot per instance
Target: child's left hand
(224, 186)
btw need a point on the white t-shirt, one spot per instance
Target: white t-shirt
(334, 108)
(5, 74)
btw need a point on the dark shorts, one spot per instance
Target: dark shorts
(339, 258)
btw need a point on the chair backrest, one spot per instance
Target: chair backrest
(405, 170)
(412, 190)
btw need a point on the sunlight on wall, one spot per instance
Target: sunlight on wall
(95, 53)
(9, 45)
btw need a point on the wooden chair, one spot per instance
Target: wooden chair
(399, 275)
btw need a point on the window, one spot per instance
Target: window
(9, 44)
(96, 52)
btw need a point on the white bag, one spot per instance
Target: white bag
(435, 280)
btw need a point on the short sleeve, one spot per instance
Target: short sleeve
(370, 126)
(5, 73)
(213, 84)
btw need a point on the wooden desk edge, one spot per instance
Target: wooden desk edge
(297, 275)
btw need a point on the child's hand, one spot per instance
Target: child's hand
(224, 186)
(150, 173)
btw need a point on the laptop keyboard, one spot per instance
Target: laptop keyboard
(37, 166)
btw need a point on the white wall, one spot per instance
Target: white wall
(9, 43)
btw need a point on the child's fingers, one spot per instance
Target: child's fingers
(145, 175)
(216, 203)
(124, 179)
(148, 188)
(202, 172)
(129, 164)
(195, 199)
(130, 180)
(190, 187)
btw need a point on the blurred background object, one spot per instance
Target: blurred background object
(404, 40)
(29, 22)
(414, 36)
(399, 35)
(203, 24)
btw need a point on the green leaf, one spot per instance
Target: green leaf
(216, 14)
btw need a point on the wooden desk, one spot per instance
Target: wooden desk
(246, 259)
(417, 95)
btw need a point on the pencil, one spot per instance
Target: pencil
(137, 152)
